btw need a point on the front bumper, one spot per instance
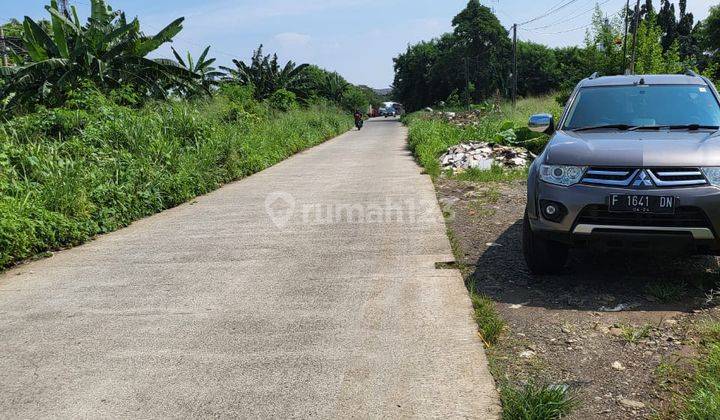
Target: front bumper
(700, 238)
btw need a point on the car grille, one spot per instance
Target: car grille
(661, 177)
(685, 216)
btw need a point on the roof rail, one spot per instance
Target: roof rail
(689, 72)
(593, 76)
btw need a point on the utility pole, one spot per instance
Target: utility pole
(3, 50)
(634, 46)
(514, 66)
(467, 83)
(624, 65)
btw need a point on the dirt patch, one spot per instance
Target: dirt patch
(562, 329)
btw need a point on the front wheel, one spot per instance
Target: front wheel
(542, 256)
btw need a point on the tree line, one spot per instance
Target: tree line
(473, 62)
(111, 53)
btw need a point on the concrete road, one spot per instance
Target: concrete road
(307, 290)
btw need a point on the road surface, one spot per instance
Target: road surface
(306, 290)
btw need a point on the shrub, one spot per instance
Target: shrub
(283, 100)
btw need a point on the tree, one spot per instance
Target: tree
(711, 30)
(355, 99)
(668, 24)
(267, 76)
(603, 43)
(108, 51)
(486, 46)
(538, 69)
(412, 85)
(686, 21)
(649, 49)
(202, 67)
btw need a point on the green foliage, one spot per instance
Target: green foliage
(538, 68)
(320, 84)
(430, 137)
(283, 100)
(496, 173)
(430, 72)
(324, 84)
(433, 71)
(108, 51)
(710, 30)
(703, 402)
(202, 67)
(649, 49)
(267, 76)
(355, 98)
(633, 334)
(536, 402)
(490, 325)
(69, 173)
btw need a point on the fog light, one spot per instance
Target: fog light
(553, 211)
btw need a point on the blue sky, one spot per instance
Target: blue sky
(356, 38)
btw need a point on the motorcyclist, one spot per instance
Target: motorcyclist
(358, 119)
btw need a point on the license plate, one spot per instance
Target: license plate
(641, 203)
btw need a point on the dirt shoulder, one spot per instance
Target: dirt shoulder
(608, 327)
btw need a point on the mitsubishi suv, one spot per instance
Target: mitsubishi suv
(632, 164)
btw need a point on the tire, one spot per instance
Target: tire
(542, 256)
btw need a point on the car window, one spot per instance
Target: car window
(643, 105)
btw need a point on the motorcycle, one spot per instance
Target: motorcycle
(359, 124)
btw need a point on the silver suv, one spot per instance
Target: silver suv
(633, 164)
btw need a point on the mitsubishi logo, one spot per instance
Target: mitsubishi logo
(642, 179)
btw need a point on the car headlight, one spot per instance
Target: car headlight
(713, 175)
(561, 174)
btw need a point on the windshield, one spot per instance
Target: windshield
(658, 105)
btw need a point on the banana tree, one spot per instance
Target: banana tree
(267, 76)
(108, 51)
(201, 68)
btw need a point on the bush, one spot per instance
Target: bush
(91, 167)
(283, 100)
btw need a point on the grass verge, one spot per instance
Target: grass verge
(68, 174)
(703, 399)
(430, 137)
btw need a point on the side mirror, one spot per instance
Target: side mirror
(542, 123)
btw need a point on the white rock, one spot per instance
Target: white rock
(618, 366)
(631, 404)
(527, 354)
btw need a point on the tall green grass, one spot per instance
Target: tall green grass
(71, 173)
(703, 399)
(536, 402)
(430, 137)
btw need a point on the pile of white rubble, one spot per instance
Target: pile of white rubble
(483, 155)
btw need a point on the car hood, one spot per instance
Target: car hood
(634, 148)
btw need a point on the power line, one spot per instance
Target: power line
(570, 18)
(552, 10)
(560, 32)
